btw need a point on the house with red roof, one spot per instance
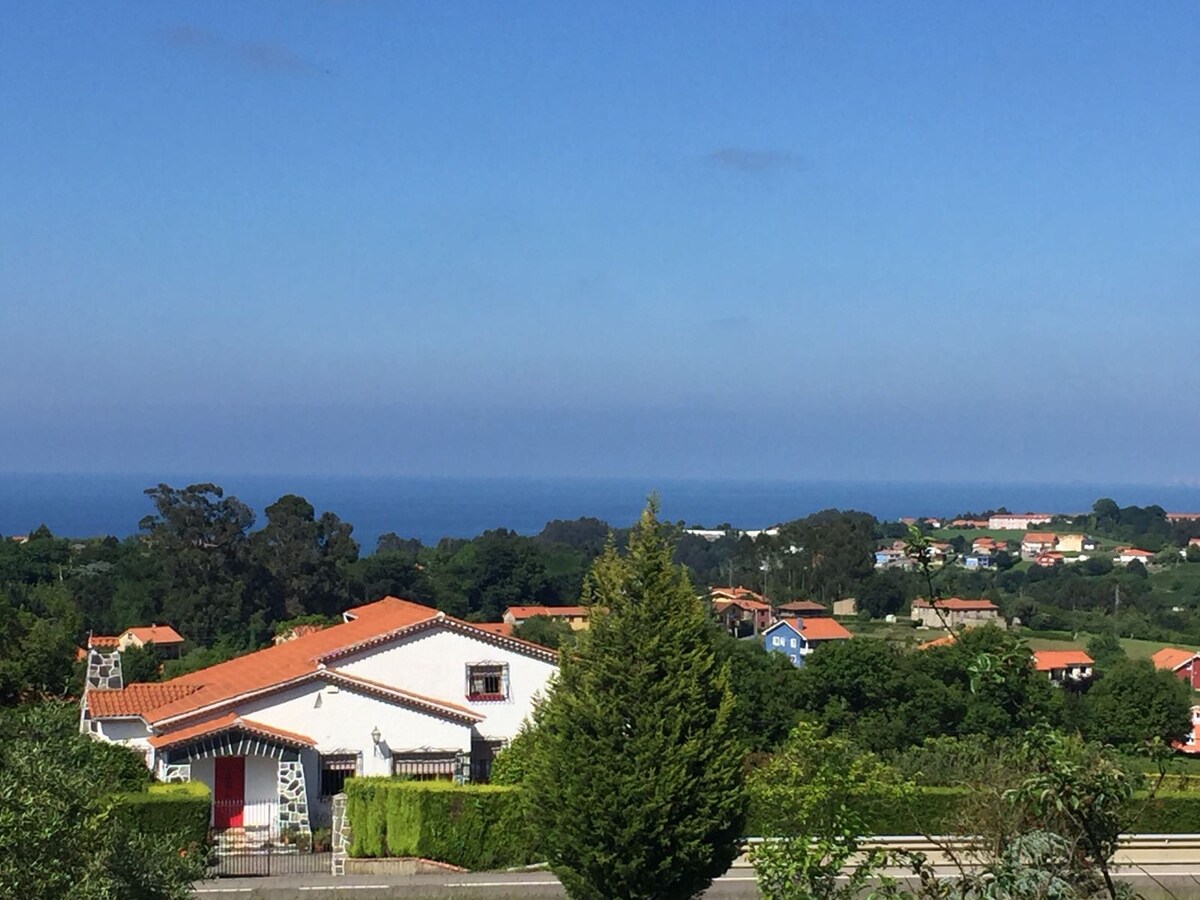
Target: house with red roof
(166, 640)
(396, 688)
(1126, 555)
(797, 638)
(955, 612)
(1183, 664)
(1061, 666)
(741, 611)
(1035, 542)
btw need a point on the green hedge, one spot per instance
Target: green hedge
(176, 809)
(474, 826)
(1170, 812)
(932, 811)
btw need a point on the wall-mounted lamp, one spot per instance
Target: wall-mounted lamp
(375, 735)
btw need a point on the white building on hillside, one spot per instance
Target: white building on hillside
(397, 688)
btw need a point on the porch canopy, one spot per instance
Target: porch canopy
(229, 735)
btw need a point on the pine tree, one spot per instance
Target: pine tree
(636, 781)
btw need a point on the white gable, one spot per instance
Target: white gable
(434, 662)
(341, 720)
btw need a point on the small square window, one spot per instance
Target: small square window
(487, 681)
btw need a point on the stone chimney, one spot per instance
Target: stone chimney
(104, 671)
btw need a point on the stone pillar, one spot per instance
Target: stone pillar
(293, 797)
(340, 836)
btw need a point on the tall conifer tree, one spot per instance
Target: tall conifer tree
(635, 782)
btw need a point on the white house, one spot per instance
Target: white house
(1063, 665)
(397, 688)
(1126, 555)
(1020, 522)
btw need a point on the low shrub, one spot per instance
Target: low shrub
(180, 810)
(474, 826)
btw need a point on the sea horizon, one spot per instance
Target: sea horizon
(430, 507)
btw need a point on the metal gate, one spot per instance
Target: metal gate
(252, 843)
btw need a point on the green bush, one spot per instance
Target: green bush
(474, 826)
(1170, 812)
(180, 810)
(933, 809)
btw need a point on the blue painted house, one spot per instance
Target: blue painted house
(796, 638)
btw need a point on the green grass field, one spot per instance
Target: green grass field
(970, 534)
(1135, 649)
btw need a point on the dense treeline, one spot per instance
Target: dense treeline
(203, 563)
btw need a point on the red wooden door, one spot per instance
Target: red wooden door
(229, 791)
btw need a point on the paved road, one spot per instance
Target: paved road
(1151, 881)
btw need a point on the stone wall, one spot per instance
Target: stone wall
(293, 798)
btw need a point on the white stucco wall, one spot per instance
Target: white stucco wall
(343, 720)
(434, 663)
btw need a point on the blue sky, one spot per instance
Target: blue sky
(899, 241)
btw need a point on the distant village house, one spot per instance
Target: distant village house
(797, 638)
(955, 612)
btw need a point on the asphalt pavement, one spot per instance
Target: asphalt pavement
(1151, 881)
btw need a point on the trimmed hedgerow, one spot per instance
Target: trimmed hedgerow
(1170, 812)
(474, 826)
(933, 811)
(167, 809)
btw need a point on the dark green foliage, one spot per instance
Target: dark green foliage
(1132, 702)
(887, 699)
(305, 556)
(140, 663)
(1105, 650)
(62, 834)
(200, 538)
(474, 826)
(766, 689)
(38, 627)
(635, 783)
(178, 810)
(511, 765)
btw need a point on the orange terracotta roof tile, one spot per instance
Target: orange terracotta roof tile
(139, 699)
(103, 641)
(721, 603)
(735, 593)
(292, 659)
(1046, 660)
(1040, 537)
(501, 628)
(305, 657)
(157, 634)
(225, 723)
(823, 629)
(1172, 658)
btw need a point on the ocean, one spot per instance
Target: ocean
(432, 508)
